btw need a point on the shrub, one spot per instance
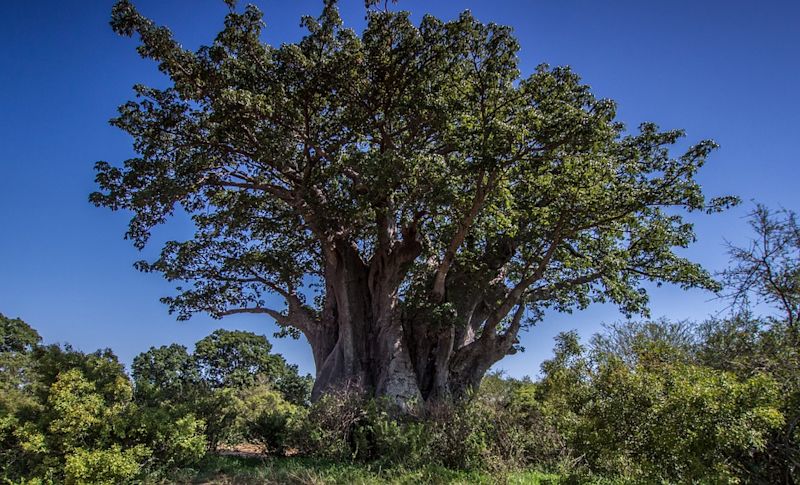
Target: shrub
(676, 422)
(387, 435)
(543, 443)
(100, 467)
(327, 432)
(487, 433)
(458, 435)
(651, 417)
(74, 427)
(176, 440)
(263, 416)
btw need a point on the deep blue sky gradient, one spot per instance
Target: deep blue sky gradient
(727, 70)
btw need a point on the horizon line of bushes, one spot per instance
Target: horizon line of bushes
(644, 401)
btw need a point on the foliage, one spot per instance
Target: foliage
(643, 402)
(654, 411)
(165, 375)
(225, 385)
(264, 416)
(347, 425)
(103, 467)
(17, 340)
(635, 342)
(73, 427)
(176, 439)
(235, 359)
(17, 336)
(488, 434)
(384, 435)
(79, 416)
(767, 271)
(327, 432)
(748, 346)
(659, 419)
(676, 423)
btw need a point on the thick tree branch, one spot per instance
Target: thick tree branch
(482, 190)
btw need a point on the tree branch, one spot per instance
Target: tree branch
(482, 190)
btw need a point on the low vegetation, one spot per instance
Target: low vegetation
(651, 412)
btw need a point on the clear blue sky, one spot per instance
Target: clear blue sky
(727, 70)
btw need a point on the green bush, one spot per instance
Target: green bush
(176, 440)
(327, 431)
(676, 422)
(655, 417)
(265, 417)
(641, 405)
(99, 467)
(73, 425)
(493, 434)
(386, 435)
(487, 433)
(749, 346)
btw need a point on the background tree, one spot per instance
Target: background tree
(412, 198)
(633, 340)
(229, 382)
(232, 359)
(236, 359)
(167, 374)
(768, 269)
(17, 342)
(17, 336)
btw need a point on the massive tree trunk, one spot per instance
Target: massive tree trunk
(366, 347)
(368, 340)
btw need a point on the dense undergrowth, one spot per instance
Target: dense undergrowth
(654, 402)
(302, 471)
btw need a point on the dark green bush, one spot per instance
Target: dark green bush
(385, 434)
(654, 417)
(265, 417)
(488, 433)
(327, 431)
(633, 407)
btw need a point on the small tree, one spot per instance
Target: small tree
(643, 415)
(17, 336)
(236, 359)
(768, 268)
(215, 385)
(165, 374)
(767, 271)
(414, 200)
(631, 341)
(17, 342)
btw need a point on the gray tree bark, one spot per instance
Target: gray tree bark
(367, 341)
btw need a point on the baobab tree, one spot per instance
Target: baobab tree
(414, 200)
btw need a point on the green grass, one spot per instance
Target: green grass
(221, 470)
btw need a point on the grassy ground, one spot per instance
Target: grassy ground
(221, 470)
